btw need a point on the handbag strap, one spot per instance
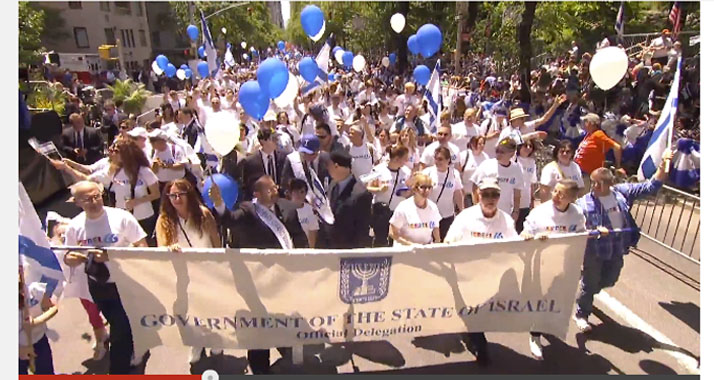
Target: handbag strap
(448, 170)
(394, 188)
(185, 234)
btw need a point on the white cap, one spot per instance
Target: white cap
(138, 132)
(158, 134)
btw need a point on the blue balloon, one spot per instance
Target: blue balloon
(162, 61)
(187, 71)
(308, 69)
(413, 44)
(331, 77)
(393, 58)
(170, 70)
(203, 70)
(421, 74)
(201, 52)
(254, 101)
(347, 58)
(192, 32)
(273, 77)
(311, 19)
(335, 49)
(281, 45)
(229, 190)
(429, 39)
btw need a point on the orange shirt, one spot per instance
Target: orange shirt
(590, 154)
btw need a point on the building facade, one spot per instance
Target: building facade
(167, 36)
(92, 24)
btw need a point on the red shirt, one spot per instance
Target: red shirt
(590, 154)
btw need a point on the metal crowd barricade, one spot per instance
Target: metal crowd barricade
(671, 218)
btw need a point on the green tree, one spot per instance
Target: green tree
(31, 22)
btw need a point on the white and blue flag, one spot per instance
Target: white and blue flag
(209, 48)
(432, 95)
(228, 58)
(685, 170)
(322, 59)
(620, 23)
(39, 262)
(662, 135)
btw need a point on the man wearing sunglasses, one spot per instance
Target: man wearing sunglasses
(479, 223)
(443, 138)
(508, 173)
(268, 160)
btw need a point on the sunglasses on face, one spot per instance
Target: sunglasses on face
(443, 134)
(491, 194)
(322, 137)
(176, 196)
(425, 187)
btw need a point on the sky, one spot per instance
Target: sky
(285, 8)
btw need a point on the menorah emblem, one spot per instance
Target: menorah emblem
(364, 272)
(364, 279)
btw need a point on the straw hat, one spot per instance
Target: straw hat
(518, 113)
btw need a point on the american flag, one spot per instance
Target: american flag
(674, 17)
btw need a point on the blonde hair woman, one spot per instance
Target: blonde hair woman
(408, 139)
(416, 219)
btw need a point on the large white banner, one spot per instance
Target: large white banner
(263, 299)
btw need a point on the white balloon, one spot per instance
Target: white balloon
(180, 74)
(222, 132)
(397, 22)
(223, 30)
(358, 63)
(608, 66)
(319, 34)
(338, 56)
(156, 68)
(286, 98)
(385, 61)
(245, 56)
(243, 44)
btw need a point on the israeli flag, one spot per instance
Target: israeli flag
(684, 172)
(228, 59)
(431, 95)
(39, 262)
(662, 135)
(209, 47)
(322, 59)
(620, 22)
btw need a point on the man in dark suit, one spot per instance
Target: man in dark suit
(311, 156)
(351, 204)
(250, 223)
(80, 143)
(111, 120)
(266, 161)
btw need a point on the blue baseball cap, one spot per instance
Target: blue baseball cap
(309, 144)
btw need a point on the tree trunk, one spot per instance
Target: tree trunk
(403, 8)
(526, 50)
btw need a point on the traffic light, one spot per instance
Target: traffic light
(105, 51)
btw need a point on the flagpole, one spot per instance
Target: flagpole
(670, 133)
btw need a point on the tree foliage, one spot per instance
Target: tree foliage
(31, 22)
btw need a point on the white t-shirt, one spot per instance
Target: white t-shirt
(307, 218)
(121, 186)
(197, 239)
(427, 157)
(609, 203)
(414, 156)
(403, 101)
(471, 226)
(487, 127)
(35, 293)
(545, 218)
(550, 175)
(99, 165)
(115, 228)
(528, 165)
(509, 177)
(415, 224)
(171, 155)
(513, 133)
(467, 157)
(462, 134)
(388, 177)
(363, 157)
(449, 186)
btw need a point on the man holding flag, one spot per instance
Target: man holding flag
(432, 96)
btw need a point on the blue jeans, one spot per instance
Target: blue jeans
(43, 361)
(597, 274)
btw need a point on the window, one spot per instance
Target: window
(123, 38)
(123, 7)
(139, 9)
(75, 4)
(109, 34)
(156, 38)
(131, 35)
(142, 37)
(81, 38)
(104, 6)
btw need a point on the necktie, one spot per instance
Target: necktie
(271, 169)
(334, 195)
(79, 140)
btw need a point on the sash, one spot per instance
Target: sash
(275, 225)
(316, 195)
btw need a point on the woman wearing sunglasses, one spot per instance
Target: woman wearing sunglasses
(562, 167)
(416, 219)
(448, 194)
(184, 223)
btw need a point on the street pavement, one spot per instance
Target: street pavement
(647, 324)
